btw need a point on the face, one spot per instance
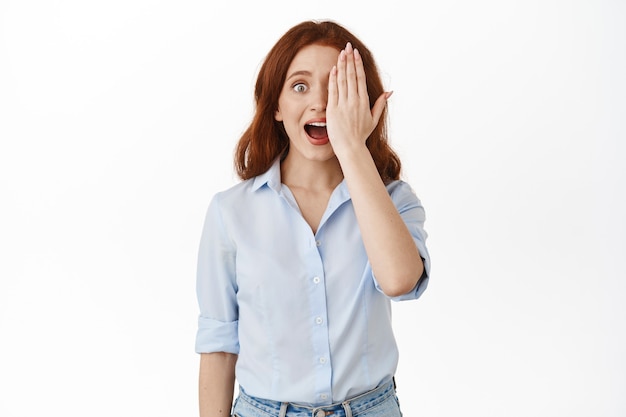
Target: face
(302, 103)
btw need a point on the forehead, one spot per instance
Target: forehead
(312, 57)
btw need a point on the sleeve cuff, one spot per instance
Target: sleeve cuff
(217, 336)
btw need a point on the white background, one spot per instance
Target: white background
(117, 123)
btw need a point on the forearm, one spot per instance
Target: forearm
(216, 384)
(392, 253)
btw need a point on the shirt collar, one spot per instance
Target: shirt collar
(271, 177)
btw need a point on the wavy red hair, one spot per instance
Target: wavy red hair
(265, 139)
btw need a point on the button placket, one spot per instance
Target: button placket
(318, 317)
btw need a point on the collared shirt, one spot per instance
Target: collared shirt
(303, 311)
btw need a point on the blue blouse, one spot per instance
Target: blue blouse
(303, 311)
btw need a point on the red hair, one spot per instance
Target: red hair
(266, 139)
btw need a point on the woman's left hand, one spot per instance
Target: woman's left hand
(349, 120)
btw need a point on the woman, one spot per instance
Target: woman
(298, 262)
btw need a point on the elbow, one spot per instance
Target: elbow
(398, 289)
(401, 282)
(396, 292)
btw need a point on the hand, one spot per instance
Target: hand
(349, 120)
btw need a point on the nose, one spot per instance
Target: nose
(319, 99)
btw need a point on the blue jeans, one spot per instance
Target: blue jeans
(379, 402)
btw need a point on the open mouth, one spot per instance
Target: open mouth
(316, 130)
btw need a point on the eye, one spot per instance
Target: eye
(299, 88)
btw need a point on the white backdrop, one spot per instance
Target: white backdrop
(117, 124)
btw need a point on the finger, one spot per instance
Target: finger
(351, 80)
(341, 75)
(379, 106)
(361, 78)
(332, 87)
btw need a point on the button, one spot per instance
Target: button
(322, 360)
(316, 280)
(321, 413)
(319, 320)
(318, 243)
(323, 397)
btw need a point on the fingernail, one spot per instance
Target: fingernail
(388, 94)
(356, 53)
(348, 47)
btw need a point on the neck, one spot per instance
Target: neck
(311, 174)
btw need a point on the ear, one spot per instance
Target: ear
(278, 116)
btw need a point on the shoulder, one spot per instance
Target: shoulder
(400, 188)
(243, 196)
(230, 200)
(403, 195)
(235, 192)
(247, 189)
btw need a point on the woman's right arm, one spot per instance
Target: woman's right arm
(216, 383)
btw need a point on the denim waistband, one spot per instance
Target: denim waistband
(345, 408)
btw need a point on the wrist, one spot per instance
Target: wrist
(355, 161)
(350, 149)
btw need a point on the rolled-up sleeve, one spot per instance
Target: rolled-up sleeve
(412, 212)
(216, 286)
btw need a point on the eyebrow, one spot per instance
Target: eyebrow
(296, 73)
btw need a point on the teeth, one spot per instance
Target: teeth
(318, 124)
